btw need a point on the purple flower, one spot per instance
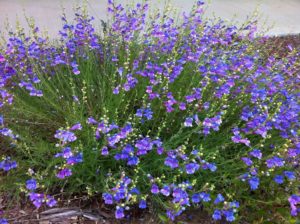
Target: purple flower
(172, 214)
(165, 190)
(261, 131)
(91, 120)
(237, 138)
(290, 175)
(256, 153)
(142, 204)
(148, 114)
(293, 152)
(294, 201)
(234, 204)
(66, 172)
(139, 113)
(104, 151)
(275, 162)
(50, 201)
(113, 140)
(180, 196)
(205, 196)
(108, 198)
(212, 167)
(75, 159)
(211, 123)
(206, 105)
(219, 199)
(217, 215)
(2, 220)
(135, 191)
(144, 112)
(196, 198)
(119, 214)
(254, 183)
(154, 189)
(188, 122)
(75, 68)
(279, 179)
(7, 164)
(36, 199)
(7, 132)
(2, 58)
(192, 168)
(132, 161)
(160, 150)
(229, 215)
(31, 184)
(66, 153)
(171, 162)
(182, 106)
(65, 136)
(170, 102)
(1, 120)
(116, 90)
(76, 127)
(247, 161)
(143, 145)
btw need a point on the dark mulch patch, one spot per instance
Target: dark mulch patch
(278, 45)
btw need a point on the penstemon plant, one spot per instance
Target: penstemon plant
(153, 112)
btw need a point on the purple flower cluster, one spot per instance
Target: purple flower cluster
(127, 154)
(294, 202)
(182, 197)
(237, 138)
(3, 221)
(190, 166)
(189, 121)
(122, 194)
(6, 131)
(197, 84)
(65, 136)
(38, 198)
(7, 164)
(275, 162)
(105, 129)
(70, 158)
(144, 113)
(211, 123)
(145, 145)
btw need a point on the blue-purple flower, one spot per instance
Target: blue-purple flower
(142, 204)
(7, 164)
(279, 179)
(62, 174)
(256, 153)
(154, 189)
(191, 168)
(253, 182)
(31, 184)
(294, 203)
(119, 214)
(217, 215)
(219, 199)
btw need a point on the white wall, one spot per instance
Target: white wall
(283, 14)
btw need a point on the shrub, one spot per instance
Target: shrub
(153, 112)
